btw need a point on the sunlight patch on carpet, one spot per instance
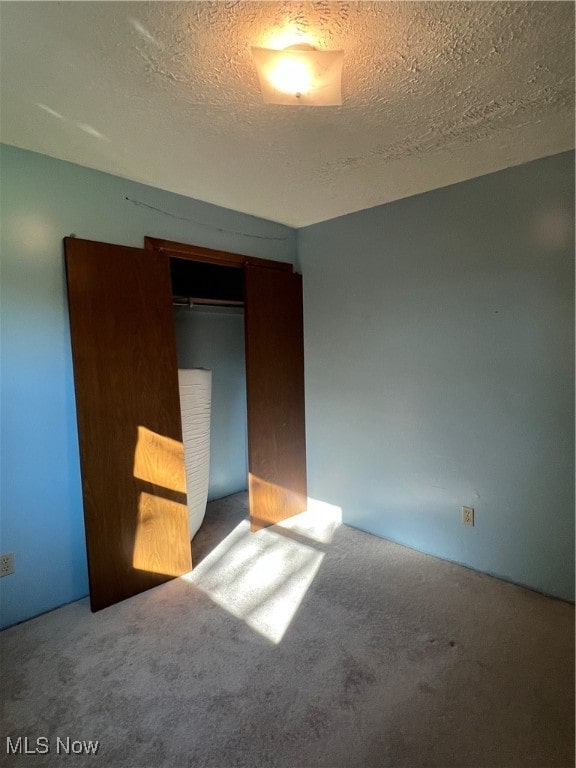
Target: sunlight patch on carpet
(318, 523)
(263, 577)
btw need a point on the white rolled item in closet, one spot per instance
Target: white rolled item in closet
(195, 402)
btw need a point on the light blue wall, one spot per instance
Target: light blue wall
(214, 338)
(439, 348)
(42, 201)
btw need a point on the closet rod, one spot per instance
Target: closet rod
(190, 301)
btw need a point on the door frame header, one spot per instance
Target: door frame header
(210, 255)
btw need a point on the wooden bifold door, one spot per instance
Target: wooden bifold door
(128, 410)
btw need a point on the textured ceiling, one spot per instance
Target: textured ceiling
(166, 94)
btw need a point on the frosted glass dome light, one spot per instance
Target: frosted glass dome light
(299, 75)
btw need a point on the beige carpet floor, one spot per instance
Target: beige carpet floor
(309, 644)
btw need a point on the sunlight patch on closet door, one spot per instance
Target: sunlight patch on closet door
(162, 514)
(159, 519)
(159, 460)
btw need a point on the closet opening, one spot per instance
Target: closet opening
(208, 310)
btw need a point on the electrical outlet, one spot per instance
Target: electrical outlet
(7, 564)
(468, 515)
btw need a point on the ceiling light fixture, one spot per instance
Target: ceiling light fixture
(300, 74)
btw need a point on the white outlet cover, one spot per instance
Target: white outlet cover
(7, 564)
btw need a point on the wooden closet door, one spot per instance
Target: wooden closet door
(275, 395)
(129, 427)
